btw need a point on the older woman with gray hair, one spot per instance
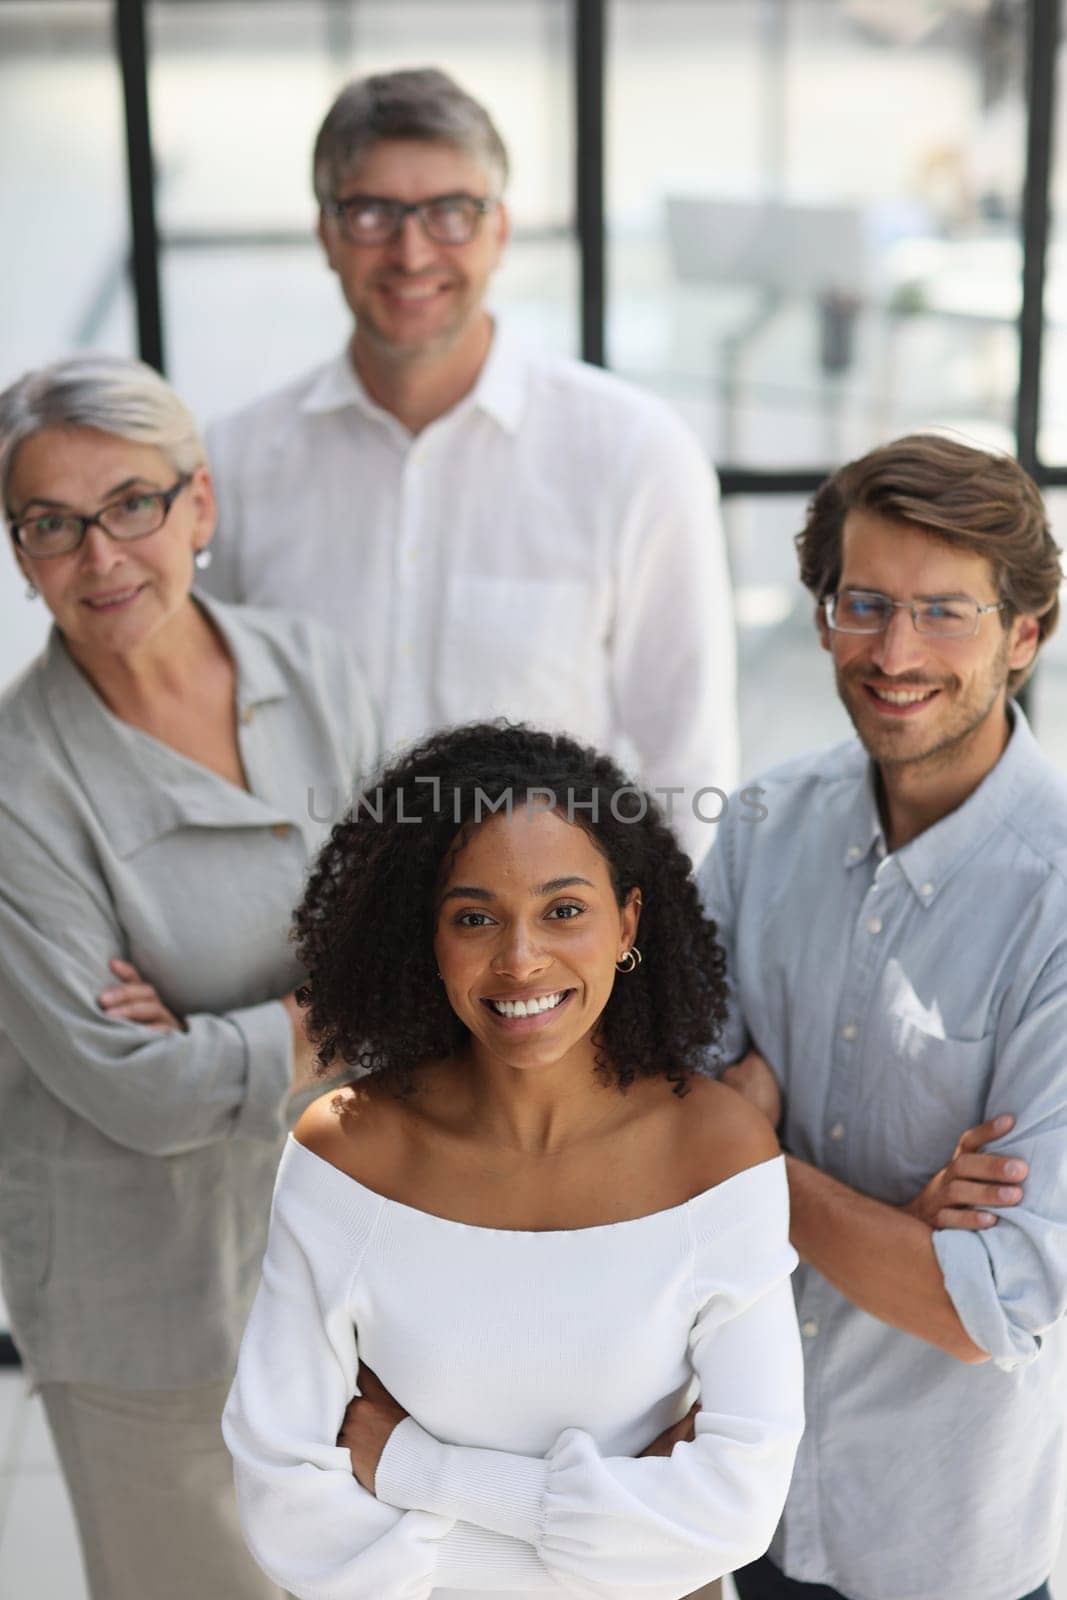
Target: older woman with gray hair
(155, 826)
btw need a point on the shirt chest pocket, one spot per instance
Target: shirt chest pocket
(942, 1084)
(526, 648)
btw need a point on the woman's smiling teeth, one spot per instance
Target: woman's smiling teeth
(527, 1008)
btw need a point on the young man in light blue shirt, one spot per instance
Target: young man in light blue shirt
(896, 932)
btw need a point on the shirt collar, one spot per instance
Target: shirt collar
(500, 390)
(929, 861)
(140, 789)
(503, 382)
(259, 678)
(336, 386)
(864, 830)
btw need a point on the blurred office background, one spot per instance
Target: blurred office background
(808, 224)
(818, 220)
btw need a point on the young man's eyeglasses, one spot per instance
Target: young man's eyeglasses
(133, 515)
(864, 611)
(445, 218)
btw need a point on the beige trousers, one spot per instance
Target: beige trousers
(151, 1483)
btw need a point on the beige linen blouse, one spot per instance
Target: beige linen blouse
(136, 1167)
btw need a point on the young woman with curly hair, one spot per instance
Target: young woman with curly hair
(525, 1322)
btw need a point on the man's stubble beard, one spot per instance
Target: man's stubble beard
(948, 746)
(385, 349)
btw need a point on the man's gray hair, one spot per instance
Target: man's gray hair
(112, 393)
(416, 103)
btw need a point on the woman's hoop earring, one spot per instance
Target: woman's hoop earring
(629, 961)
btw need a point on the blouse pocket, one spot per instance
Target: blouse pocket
(525, 648)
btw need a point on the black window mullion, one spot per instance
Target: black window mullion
(144, 238)
(589, 73)
(1042, 31)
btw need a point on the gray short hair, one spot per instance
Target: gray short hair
(112, 393)
(417, 103)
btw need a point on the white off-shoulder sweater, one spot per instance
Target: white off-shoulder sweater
(534, 1366)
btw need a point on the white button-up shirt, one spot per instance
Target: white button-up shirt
(549, 550)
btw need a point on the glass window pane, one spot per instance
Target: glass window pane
(64, 282)
(788, 702)
(1048, 696)
(238, 91)
(1052, 430)
(814, 214)
(63, 206)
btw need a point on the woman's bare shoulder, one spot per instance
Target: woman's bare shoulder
(344, 1125)
(721, 1133)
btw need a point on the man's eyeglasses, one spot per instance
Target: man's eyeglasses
(132, 516)
(864, 611)
(445, 218)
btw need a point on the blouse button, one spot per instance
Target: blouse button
(849, 1031)
(282, 830)
(809, 1328)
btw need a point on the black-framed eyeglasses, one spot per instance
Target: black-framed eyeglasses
(374, 219)
(866, 611)
(133, 515)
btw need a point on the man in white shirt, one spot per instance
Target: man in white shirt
(497, 532)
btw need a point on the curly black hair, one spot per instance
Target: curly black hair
(365, 927)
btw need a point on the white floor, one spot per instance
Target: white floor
(38, 1547)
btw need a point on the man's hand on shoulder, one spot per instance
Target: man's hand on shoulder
(754, 1080)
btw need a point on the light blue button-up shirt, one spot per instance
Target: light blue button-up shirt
(903, 997)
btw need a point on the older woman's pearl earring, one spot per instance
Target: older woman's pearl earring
(202, 558)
